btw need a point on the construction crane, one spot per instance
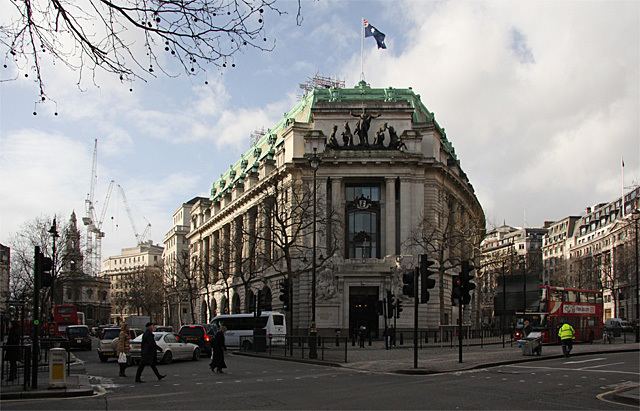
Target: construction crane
(140, 238)
(99, 234)
(89, 217)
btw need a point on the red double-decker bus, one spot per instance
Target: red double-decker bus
(63, 316)
(582, 309)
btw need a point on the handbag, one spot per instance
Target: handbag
(122, 358)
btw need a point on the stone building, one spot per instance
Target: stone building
(136, 281)
(88, 293)
(602, 255)
(175, 257)
(555, 249)
(388, 184)
(5, 266)
(510, 251)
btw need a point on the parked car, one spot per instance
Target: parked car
(105, 347)
(164, 328)
(78, 337)
(198, 334)
(173, 348)
(617, 326)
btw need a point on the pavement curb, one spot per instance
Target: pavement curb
(419, 371)
(24, 395)
(619, 396)
(300, 360)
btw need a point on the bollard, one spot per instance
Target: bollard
(57, 368)
(345, 349)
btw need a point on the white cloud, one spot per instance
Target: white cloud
(539, 119)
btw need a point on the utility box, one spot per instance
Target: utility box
(57, 368)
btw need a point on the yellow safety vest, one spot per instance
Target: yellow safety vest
(566, 332)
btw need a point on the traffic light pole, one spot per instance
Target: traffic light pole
(460, 332)
(35, 344)
(415, 318)
(386, 329)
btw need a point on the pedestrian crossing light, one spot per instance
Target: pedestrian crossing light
(45, 270)
(426, 282)
(398, 308)
(407, 283)
(456, 290)
(284, 294)
(467, 285)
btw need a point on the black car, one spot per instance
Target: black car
(78, 336)
(198, 334)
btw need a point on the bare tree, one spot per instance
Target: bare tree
(284, 237)
(143, 291)
(34, 233)
(448, 235)
(128, 38)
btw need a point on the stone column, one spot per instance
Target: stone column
(321, 210)
(337, 202)
(406, 215)
(390, 216)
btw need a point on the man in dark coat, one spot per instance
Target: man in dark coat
(217, 351)
(148, 351)
(12, 350)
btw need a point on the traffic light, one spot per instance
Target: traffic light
(390, 304)
(456, 290)
(45, 270)
(398, 308)
(407, 281)
(284, 294)
(467, 285)
(426, 282)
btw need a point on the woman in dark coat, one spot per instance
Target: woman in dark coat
(217, 351)
(12, 350)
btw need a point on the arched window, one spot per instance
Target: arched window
(265, 297)
(251, 298)
(235, 303)
(224, 305)
(203, 312)
(214, 307)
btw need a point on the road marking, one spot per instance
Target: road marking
(571, 369)
(218, 382)
(278, 379)
(600, 366)
(504, 379)
(560, 383)
(297, 378)
(237, 381)
(259, 380)
(198, 383)
(521, 380)
(582, 361)
(176, 384)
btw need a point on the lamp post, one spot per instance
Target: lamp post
(636, 216)
(314, 163)
(54, 235)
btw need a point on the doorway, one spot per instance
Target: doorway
(363, 309)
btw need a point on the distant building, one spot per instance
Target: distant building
(176, 265)
(89, 294)
(508, 251)
(555, 250)
(139, 268)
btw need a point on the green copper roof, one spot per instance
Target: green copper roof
(264, 148)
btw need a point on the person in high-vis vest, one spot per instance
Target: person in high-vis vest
(567, 334)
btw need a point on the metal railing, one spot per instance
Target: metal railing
(330, 349)
(16, 362)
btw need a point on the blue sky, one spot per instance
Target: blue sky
(540, 101)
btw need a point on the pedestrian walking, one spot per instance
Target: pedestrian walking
(567, 334)
(362, 335)
(123, 348)
(148, 352)
(217, 351)
(12, 350)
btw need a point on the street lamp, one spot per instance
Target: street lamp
(636, 216)
(54, 234)
(314, 163)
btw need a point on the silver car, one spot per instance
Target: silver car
(173, 348)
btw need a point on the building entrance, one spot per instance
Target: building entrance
(362, 309)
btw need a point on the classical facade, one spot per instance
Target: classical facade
(88, 293)
(176, 266)
(598, 253)
(508, 251)
(388, 183)
(136, 281)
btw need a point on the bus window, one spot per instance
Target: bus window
(599, 298)
(571, 297)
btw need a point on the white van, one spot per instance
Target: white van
(240, 327)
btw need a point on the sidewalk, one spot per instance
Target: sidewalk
(439, 360)
(78, 385)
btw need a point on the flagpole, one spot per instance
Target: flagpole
(362, 49)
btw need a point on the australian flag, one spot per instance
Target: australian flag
(370, 31)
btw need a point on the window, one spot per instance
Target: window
(363, 220)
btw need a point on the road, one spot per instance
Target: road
(270, 384)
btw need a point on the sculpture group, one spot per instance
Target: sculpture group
(362, 132)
